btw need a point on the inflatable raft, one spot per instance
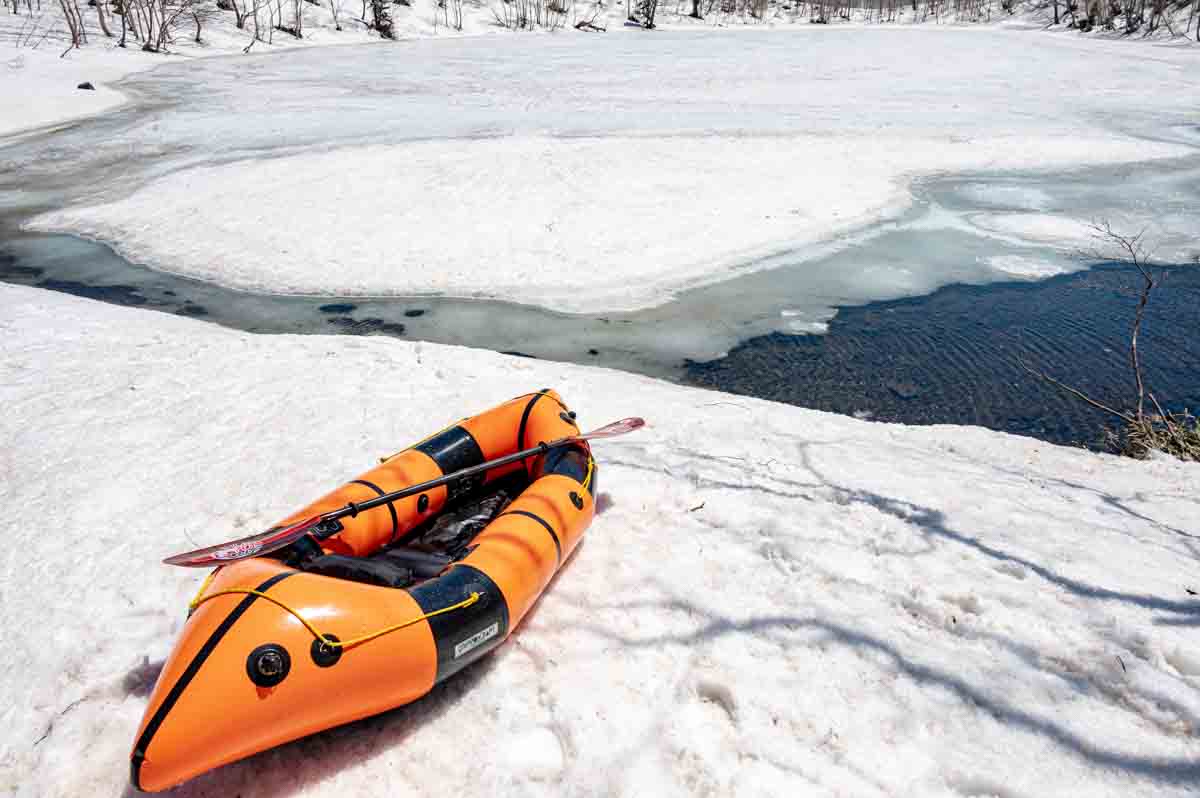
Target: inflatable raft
(373, 616)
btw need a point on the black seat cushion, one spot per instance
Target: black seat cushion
(384, 573)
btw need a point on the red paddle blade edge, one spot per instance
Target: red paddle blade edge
(252, 546)
(616, 428)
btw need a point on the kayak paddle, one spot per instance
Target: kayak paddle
(321, 526)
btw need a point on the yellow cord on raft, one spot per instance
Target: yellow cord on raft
(587, 480)
(195, 602)
(467, 602)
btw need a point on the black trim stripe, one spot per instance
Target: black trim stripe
(143, 743)
(453, 450)
(391, 507)
(568, 461)
(544, 523)
(466, 634)
(525, 423)
(544, 392)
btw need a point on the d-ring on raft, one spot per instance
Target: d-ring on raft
(278, 647)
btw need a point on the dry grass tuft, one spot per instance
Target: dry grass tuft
(1176, 434)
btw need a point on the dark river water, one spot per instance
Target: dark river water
(950, 357)
(955, 356)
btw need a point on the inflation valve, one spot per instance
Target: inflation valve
(268, 665)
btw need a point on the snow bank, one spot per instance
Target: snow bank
(38, 89)
(41, 73)
(580, 225)
(772, 601)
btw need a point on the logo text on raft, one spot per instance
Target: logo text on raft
(476, 640)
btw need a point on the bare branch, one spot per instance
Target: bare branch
(1074, 391)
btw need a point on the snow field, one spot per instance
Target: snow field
(38, 88)
(42, 91)
(771, 601)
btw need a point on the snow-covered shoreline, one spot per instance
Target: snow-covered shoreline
(772, 599)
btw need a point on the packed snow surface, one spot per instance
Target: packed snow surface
(40, 75)
(39, 90)
(772, 601)
(590, 173)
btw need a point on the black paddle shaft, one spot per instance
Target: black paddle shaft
(278, 537)
(607, 431)
(352, 509)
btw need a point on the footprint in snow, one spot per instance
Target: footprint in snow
(1015, 570)
(536, 754)
(968, 603)
(720, 695)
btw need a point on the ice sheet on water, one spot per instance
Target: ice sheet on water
(1025, 266)
(1008, 197)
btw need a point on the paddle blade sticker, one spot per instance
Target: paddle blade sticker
(262, 543)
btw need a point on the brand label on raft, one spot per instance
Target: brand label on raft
(476, 640)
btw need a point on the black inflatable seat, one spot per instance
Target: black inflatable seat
(371, 571)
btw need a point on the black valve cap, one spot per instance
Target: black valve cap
(325, 655)
(268, 665)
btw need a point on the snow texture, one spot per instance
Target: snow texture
(38, 89)
(41, 74)
(554, 175)
(772, 601)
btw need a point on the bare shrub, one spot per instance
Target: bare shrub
(242, 10)
(102, 18)
(295, 10)
(531, 14)
(1138, 432)
(451, 14)
(381, 19)
(74, 19)
(155, 22)
(587, 20)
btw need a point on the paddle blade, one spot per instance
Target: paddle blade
(616, 428)
(252, 546)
